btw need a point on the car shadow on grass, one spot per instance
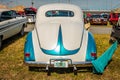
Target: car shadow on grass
(62, 70)
(9, 41)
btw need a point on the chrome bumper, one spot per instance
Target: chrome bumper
(48, 66)
(44, 64)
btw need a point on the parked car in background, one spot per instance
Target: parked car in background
(98, 19)
(59, 39)
(7, 14)
(115, 32)
(113, 18)
(10, 24)
(31, 14)
(87, 17)
(105, 16)
(21, 13)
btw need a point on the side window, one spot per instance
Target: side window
(6, 15)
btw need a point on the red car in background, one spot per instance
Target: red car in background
(31, 14)
(113, 18)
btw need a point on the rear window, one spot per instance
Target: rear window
(29, 11)
(59, 13)
(96, 16)
(105, 16)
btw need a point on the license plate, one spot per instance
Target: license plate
(61, 64)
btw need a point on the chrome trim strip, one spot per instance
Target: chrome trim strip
(44, 64)
(11, 24)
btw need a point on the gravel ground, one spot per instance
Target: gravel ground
(100, 30)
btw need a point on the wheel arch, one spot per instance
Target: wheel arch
(24, 25)
(91, 48)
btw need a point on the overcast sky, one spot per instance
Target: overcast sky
(84, 4)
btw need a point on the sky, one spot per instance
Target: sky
(83, 4)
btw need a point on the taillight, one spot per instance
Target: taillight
(93, 55)
(27, 54)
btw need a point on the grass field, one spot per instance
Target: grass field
(12, 67)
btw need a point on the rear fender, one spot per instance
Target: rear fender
(91, 48)
(28, 49)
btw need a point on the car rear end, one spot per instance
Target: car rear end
(59, 41)
(96, 19)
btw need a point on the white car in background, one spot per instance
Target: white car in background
(10, 24)
(30, 14)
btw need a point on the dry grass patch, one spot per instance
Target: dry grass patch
(12, 67)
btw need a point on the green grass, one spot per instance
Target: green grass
(108, 24)
(13, 68)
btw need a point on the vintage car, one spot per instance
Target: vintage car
(10, 24)
(59, 39)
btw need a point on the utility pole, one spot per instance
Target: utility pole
(32, 3)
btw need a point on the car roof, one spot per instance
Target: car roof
(60, 6)
(78, 13)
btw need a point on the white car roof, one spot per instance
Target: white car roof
(59, 6)
(78, 14)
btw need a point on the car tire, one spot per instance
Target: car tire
(31, 68)
(22, 31)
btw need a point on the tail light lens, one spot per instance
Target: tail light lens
(93, 54)
(27, 54)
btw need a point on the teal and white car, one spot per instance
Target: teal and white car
(59, 39)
